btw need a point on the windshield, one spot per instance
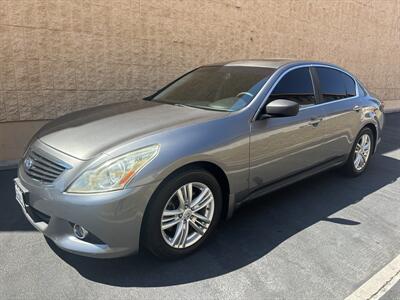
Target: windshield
(216, 87)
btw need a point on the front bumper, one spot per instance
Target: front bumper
(113, 219)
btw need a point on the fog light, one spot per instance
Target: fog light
(80, 232)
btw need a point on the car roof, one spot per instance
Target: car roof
(263, 63)
(268, 63)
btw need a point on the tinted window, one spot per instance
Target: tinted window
(361, 88)
(350, 85)
(296, 86)
(331, 84)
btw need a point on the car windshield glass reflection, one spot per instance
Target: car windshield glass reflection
(225, 88)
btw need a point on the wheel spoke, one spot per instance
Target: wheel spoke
(184, 235)
(184, 193)
(170, 223)
(189, 193)
(178, 233)
(174, 213)
(200, 217)
(203, 195)
(361, 162)
(181, 197)
(364, 140)
(206, 200)
(196, 228)
(357, 160)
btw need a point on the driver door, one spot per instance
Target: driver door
(284, 146)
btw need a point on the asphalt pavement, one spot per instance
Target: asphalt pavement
(393, 293)
(321, 238)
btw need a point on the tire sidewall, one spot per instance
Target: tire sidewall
(153, 238)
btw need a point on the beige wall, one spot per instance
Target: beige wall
(14, 136)
(57, 56)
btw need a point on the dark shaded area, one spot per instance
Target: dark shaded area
(255, 229)
(341, 221)
(11, 215)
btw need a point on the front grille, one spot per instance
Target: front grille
(42, 168)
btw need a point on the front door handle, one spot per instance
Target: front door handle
(357, 108)
(314, 121)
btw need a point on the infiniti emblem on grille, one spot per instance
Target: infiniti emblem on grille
(28, 163)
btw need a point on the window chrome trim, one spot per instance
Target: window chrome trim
(310, 65)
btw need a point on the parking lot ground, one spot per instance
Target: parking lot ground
(321, 238)
(393, 293)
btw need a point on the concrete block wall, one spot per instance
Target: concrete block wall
(58, 56)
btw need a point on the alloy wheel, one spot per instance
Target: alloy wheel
(187, 215)
(362, 152)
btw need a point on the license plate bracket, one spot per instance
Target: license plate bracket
(21, 194)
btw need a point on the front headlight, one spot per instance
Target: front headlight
(114, 174)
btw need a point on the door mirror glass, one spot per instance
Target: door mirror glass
(282, 108)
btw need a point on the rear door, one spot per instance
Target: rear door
(337, 93)
(281, 146)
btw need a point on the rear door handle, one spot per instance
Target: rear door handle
(357, 108)
(314, 121)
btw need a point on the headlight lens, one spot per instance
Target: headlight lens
(114, 174)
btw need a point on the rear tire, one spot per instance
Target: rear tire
(175, 224)
(360, 154)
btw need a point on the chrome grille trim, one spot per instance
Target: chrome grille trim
(46, 162)
(43, 169)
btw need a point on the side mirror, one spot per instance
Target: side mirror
(281, 108)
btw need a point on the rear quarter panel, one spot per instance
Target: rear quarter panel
(342, 123)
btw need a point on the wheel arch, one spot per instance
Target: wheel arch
(215, 170)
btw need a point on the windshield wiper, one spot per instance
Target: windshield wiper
(193, 106)
(212, 108)
(201, 107)
(182, 105)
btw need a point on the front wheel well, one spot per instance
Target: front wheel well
(217, 172)
(212, 168)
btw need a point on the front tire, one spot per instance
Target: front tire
(182, 214)
(361, 153)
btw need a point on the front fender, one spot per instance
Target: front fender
(224, 143)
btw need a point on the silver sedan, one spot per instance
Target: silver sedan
(161, 172)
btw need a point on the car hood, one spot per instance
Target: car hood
(86, 133)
